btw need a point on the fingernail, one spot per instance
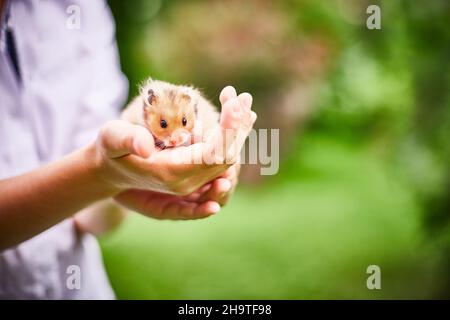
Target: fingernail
(215, 208)
(247, 99)
(226, 186)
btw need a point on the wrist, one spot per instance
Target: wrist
(99, 171)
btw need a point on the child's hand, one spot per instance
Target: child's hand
(200, 204)
(122, 160)
(127, 159)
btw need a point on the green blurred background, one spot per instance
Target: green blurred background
(364, 119)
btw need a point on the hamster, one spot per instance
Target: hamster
(176, 115)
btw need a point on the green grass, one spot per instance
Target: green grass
(310, 233)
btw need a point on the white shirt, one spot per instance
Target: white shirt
(70, 84)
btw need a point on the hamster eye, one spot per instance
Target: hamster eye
(184, 121)
(163, 124)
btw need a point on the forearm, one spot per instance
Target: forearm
(100, 218)
(35, 201)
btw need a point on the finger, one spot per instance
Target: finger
(246, 99)
(146, 202)
(218, 192)
(231, 113)
(227, 195)
(185, 210)
(232, 172)
(166, 207)
(197, 194)
(177, 210)
(232, 175)
(215, 188)
(119, 138)
(227, 93)
(253, 117)
(206, 209)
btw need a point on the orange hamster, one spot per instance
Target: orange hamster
(176, 115)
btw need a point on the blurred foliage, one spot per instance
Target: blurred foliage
(364, 117)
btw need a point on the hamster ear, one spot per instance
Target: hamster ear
(151, 98)
(185, 97)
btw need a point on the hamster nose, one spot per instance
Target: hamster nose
(176, 141)
(178, 138)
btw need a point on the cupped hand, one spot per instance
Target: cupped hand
(153, 183)
(200, 204)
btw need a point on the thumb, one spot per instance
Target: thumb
(119, 138)
(226, 94)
